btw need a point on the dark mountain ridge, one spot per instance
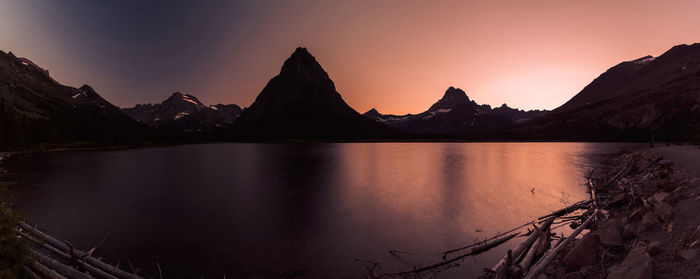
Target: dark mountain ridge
(631, 101)
(184, 112)
(301, 102)
(35, 109)
(454, 115)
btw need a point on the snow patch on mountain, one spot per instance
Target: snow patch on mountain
(181, 115)
(644, 60)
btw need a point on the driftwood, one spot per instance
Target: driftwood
(60, 267)
(76, 253)
(567, 210)
(504, 273)
(28, 273)
(546, 259)
(92, 270)
(622, 172)
(524, 254)
(444, 255)
(524, 245)
(536, 251)
(473, 252)
(45, 272)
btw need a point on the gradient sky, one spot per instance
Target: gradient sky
(397, 56)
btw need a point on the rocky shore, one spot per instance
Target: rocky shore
(649, 221)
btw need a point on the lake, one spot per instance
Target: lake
(307, 209)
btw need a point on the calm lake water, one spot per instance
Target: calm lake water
(310, 210)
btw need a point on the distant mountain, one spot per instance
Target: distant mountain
(455, 115)
(36, 109)
(184, 112)
(302, 103)
(517, 115)
(631, 101)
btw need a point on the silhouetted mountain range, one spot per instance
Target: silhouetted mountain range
(186, 113)
(35, 109)
(455, 115)
(630, 101)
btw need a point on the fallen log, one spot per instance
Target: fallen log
(60, 267)
(29, 273)
(536, 252)
(88, 258)
(547, 258)
(504, 273)
(91, 269)
(567, 210)
(525, 244)
(45, 272)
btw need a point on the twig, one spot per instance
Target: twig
(474, 251)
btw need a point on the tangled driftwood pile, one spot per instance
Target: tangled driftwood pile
(632, 195)
(59, 260)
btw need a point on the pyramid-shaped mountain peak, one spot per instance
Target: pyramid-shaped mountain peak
(182, 98)
(452, 98)
(302, 102)
(301, 64)
(455, 93)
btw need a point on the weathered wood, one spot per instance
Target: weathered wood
(482, 242)
(45, 272)
(530, 255)
(473, 252)
(592, 190)
(547, 258)
(88, 258)
(60, 267)
(567, 210)
(525, 244)
(504, 273)
(91, 269)
(28, 273)
(621, 173)
(537, 251)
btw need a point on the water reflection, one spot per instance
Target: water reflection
(263, 210)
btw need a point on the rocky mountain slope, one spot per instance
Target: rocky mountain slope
(36, 109)
(184, 112)
(302, 103)
(631, 101)
(455, 115)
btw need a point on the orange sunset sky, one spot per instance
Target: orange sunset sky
(397, 56)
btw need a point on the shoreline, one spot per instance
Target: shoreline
(650, 223)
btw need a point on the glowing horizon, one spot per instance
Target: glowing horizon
(397, 57)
